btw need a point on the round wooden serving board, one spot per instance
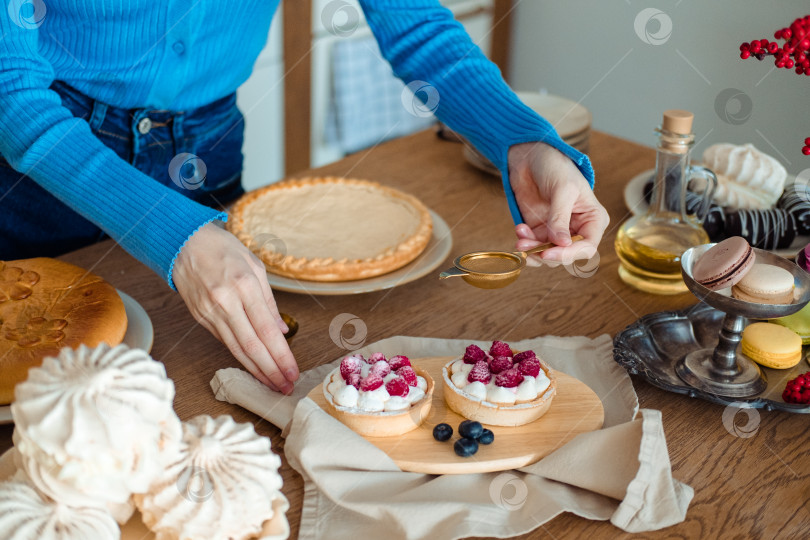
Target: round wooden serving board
(576, 409)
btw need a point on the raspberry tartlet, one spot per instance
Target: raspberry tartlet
(378, 396)
(501, 387)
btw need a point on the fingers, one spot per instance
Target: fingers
(263, 318)
(267, 293)
(227, 337)
(559, 218)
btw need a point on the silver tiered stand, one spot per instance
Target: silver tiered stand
(725, 371)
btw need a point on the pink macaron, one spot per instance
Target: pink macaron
(724, 264)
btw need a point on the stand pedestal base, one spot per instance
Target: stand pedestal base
(699, 371)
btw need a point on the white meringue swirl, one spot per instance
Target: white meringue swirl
(220, 483)
(26, 514)
(746, 177)
(89, 424)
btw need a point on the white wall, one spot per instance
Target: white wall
(588, 50)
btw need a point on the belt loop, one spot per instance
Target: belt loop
(98, 115)
(177, 133)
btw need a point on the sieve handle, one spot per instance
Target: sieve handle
(452, 272)
(547, 245)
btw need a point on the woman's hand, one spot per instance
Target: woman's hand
(556, 201)
(225, 288)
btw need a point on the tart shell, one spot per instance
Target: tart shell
(327, 268)
(498, 415)
(384, 423)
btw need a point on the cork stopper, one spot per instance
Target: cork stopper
(678, 121)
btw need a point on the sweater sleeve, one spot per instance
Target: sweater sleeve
(423, 42)
(41, 138)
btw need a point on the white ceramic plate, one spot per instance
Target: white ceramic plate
(140, 334)
(634, 201)
(436, 251)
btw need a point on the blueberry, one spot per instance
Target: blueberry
(442, 432)
(486, 437)
(465, 447)
(470, 429)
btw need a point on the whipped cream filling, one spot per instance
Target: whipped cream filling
(378, 400)
(529, 389)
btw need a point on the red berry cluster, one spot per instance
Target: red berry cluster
(798, 390)
(794, 53)
(509, 368)
(351, 369)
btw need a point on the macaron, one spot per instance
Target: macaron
(724, 264)
(799, 322)
(765, 284)
(771, 345)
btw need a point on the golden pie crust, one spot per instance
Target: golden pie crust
(486, 412)
(384, 423)
(331, 229)
(47, 304)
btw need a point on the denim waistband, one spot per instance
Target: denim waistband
(144, 119)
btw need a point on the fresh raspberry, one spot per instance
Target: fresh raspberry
(398, 387)
(499, 348)
(374, 358)
(500, 363)
(349, 365)
(519, 357)
(354, 380)
(474, 354)
(399, 361)
(798, 390)
(530, 367)
(480, 372)
(509, 378)
(407, 373)
(371, 382)
(381, 368)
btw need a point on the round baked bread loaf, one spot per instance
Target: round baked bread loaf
(47, 304)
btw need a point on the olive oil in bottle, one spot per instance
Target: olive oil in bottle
(650, 245)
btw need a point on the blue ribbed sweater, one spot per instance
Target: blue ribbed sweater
(182, 54)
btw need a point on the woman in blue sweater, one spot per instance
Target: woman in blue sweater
(99, 98)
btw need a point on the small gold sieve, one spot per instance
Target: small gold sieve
(493, 269)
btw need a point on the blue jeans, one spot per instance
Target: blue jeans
(34, 223)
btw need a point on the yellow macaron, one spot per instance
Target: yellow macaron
(771, 345)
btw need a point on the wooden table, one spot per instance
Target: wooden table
(744, 487)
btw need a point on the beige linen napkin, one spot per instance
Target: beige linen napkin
(352, 489)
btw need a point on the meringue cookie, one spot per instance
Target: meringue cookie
(220, 483)
(476, 389)
(542, 383)
(500, 395)
(746, 177)
(347, 396)
(526, 390)
(26, 514)
(396, 403)
(90, 425)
